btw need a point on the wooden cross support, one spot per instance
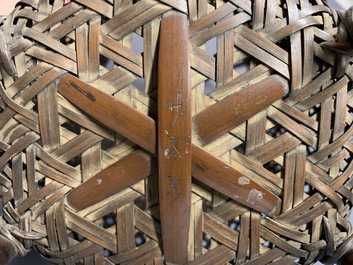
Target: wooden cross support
(169, 140)
(174, 136)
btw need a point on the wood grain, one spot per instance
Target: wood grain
(232, 111)
(115, 178)
(148, 125)
(120, 117)
(229, 181)
(174, 136)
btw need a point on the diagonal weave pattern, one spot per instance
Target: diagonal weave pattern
(298, 148)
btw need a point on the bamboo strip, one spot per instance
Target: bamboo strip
(174, 136)
(273, 186)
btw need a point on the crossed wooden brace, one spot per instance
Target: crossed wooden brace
(173, 144)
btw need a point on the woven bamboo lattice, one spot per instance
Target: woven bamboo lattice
(271, 108)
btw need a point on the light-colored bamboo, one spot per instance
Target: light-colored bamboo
(263, 96)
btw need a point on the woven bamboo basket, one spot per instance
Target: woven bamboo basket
(176, 132)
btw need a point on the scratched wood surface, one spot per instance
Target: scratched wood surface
(88, 174)
(174, 136)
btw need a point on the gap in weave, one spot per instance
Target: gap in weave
(274, 167)
(310, 150)
(76, 236)
(66, 40)
(41, 183)
(268, 244)
(75, 161)
(308, 189)
(139, 83)
(210, 86)
(140, 238)
(211, 46)
(107, 253)
(234, 224)
(276, 130)
(35, 104)
(106, 144)
(314, 110)
(206, 242)
(212, 2)
(109, 220)
(72, 127)
(241, 148)
(242, 66)
(2, 106)
(137, 43)
(107, 63)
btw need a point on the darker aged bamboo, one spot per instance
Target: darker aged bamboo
(270, 203)
(84, 122)
(117, 177)
(174, 136)
(107, 110)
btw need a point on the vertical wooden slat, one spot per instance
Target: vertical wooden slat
(255, 235)
(256, 131)
(174, 136)
(151, 191)
(30, 171)
(98, 258)
(340, 113)
(202, 8)
(296, 48)
(25, 224)
(150, 54)
(62, 231)
(93, 48)
(308, 59)
(91, 162)
(243, 238)
(289, 176)
(53, 242)
(225, 62)
(49, 117)
(17, 179)
(82, 51)
(125, 228)
(259, 14)
(88, 260)
(300, 174)
(196, 227)
(325, 124)
(192, 8)
(270, 12)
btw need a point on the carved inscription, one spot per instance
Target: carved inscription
(175, 108)
(174, 185)
(174, 150)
